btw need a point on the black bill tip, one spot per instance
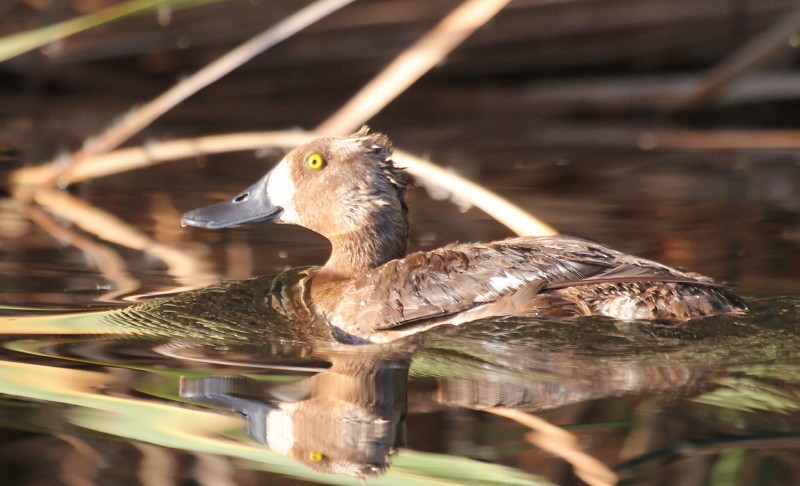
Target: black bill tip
(221, 215)
(251, 206)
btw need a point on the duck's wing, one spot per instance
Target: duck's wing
(457, 278)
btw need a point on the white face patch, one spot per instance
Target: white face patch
(280, 190)
(280, 431)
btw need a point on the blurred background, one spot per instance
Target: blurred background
(665, 128)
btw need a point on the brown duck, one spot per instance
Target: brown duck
(348, 190)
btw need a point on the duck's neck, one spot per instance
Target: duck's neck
(357, 252)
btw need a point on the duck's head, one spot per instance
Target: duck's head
(346, 189)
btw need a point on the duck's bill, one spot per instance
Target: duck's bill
(251, 206)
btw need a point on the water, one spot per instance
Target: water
(216, 387)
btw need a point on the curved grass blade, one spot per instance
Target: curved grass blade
(20, 43)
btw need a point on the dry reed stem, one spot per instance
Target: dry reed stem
(400, 74)
(564, 444)
(512, 216)
(108, 262)
(133, 122)
(720, 140)
(742, 60)
(505, 212)
(155, 153)
(188, 271)
(410, 65)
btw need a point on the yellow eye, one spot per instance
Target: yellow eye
(315, 161)
(315, 456)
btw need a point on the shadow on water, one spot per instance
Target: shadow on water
(716, 397)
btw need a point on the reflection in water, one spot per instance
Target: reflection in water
(641, 397)
(348, 419)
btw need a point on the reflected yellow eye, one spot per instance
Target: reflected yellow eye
(315, 161)
(315, 456)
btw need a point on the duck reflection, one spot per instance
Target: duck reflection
(348, 419)
(542, 364)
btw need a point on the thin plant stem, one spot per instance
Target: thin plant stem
(513, 217)
(188, 271)
(16, 44)
(411, 65)
(720, 140)
(132, 123)
(401, 73)
(562, 443)
(744, 59)
(110, 264)
(508, 214)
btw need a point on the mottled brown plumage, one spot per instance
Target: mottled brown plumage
(369, 290)
(548, 276)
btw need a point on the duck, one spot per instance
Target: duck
(370, 289)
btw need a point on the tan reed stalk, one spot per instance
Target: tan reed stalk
(133, 122)
(110, 264)
(562, 443)
(400, 74)
(742, 60)
(508, 214)
(410, 65)
(190, 272)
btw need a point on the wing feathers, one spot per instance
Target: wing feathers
(456, 278)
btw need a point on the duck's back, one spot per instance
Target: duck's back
(545, 275)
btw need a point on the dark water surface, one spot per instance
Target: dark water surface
(219, 387)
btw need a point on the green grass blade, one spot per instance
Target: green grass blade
(16, 44)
